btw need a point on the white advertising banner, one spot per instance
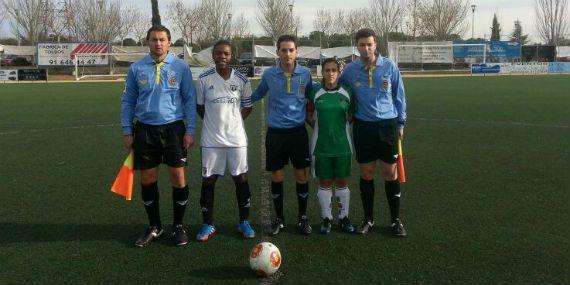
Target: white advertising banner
(421, 52)
(8, 74)
(524, 68)
(63, 54)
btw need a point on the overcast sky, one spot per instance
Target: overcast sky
(507, 11)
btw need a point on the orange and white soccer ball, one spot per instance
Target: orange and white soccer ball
(265, 259)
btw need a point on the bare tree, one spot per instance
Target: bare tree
(27, 18)
(552, 20)
(94, 20)
(384, 17)
(56, 23)
(216, 19)
(412, 20)
(442, 18)
(2, 12)
(240, 27)
(354, 21)
(323, 21)
(186, 19)
(276, 18)
(142, 24)
(127, 21)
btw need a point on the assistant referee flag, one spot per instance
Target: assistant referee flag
(123, 184)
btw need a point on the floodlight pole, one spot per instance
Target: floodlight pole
(291, 14)
(230, 26)
(473, 6)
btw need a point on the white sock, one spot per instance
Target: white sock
(343, 201)
(325, 196)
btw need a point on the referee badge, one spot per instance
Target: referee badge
(172, 81)
(385, 84)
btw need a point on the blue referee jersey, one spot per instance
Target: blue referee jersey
(287, 96)
(158, 94)
(379, 91)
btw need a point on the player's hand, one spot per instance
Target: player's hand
(401, 133)
(128, 141)
(188, 141)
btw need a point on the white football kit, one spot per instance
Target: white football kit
(224, 141)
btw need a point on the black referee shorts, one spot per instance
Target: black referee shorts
(159, 144)
(284, 145)
(375, 140)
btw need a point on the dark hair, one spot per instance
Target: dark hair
(329, 60)
(221, 43)
(159, 28)
(286, 38)
(365, 33)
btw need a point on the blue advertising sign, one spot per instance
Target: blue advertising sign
(485, 68)
(497, 51)
(558, 67)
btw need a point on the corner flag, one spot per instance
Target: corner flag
(123, 184)
(401, 171)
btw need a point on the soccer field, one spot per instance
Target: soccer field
(486, 202)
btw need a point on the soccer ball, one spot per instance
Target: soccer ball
(265, 259)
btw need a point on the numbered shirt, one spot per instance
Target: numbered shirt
(223, 99)
(331, 134)
(379, 91)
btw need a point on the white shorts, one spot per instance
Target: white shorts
(215, 160)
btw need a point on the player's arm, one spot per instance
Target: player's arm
(245, 103)
(128, 103)
(309, 118)
(200, 108)
(399, 99)
(352, 106)
(188, 93)
(261, 90)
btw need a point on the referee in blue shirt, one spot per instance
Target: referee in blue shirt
(287, 84)
(379, 122)
(160, 95)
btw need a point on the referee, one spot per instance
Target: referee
(159, 94)
(379, 122)
(288, 84)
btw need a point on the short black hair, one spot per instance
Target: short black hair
(221, 43)
(286, 38)
(158, 28)
(365, 33)
(329, 60)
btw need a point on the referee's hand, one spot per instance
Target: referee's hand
(401, 133)
(188, 141)
(128, 141)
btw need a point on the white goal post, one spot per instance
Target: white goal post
(84, 69)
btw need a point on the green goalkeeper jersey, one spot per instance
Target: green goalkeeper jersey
(332, 132)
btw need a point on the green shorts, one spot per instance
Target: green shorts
(333, 167)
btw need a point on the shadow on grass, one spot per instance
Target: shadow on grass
(224, 273)
(126, 234)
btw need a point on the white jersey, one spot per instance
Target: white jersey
(223, 99)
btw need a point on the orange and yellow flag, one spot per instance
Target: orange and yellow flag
(123, 184)
(401, 171)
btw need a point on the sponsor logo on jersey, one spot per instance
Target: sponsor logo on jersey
(143, 81)
(225, 100)
(211, 87)
(233, 87)
(356, 84)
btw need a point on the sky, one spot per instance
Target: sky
(507, 12)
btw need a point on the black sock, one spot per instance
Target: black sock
(367, 197)
(302, 197)
(150, 199)
(277, 192)
(243, 198)
(207, 202)
(179, 201)
(393, 194)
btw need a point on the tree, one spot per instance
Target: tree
(215, 19)
(412, 20)
(323, 22)
(384, 16)
(495, 29)
(276, 18)
(442, 18)
(94, 20)
(128, 19)
(155, 13)
(517, 35)
(552, 20)
(240, 31)
(27, 19)
(142, 24)
(186, 19)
